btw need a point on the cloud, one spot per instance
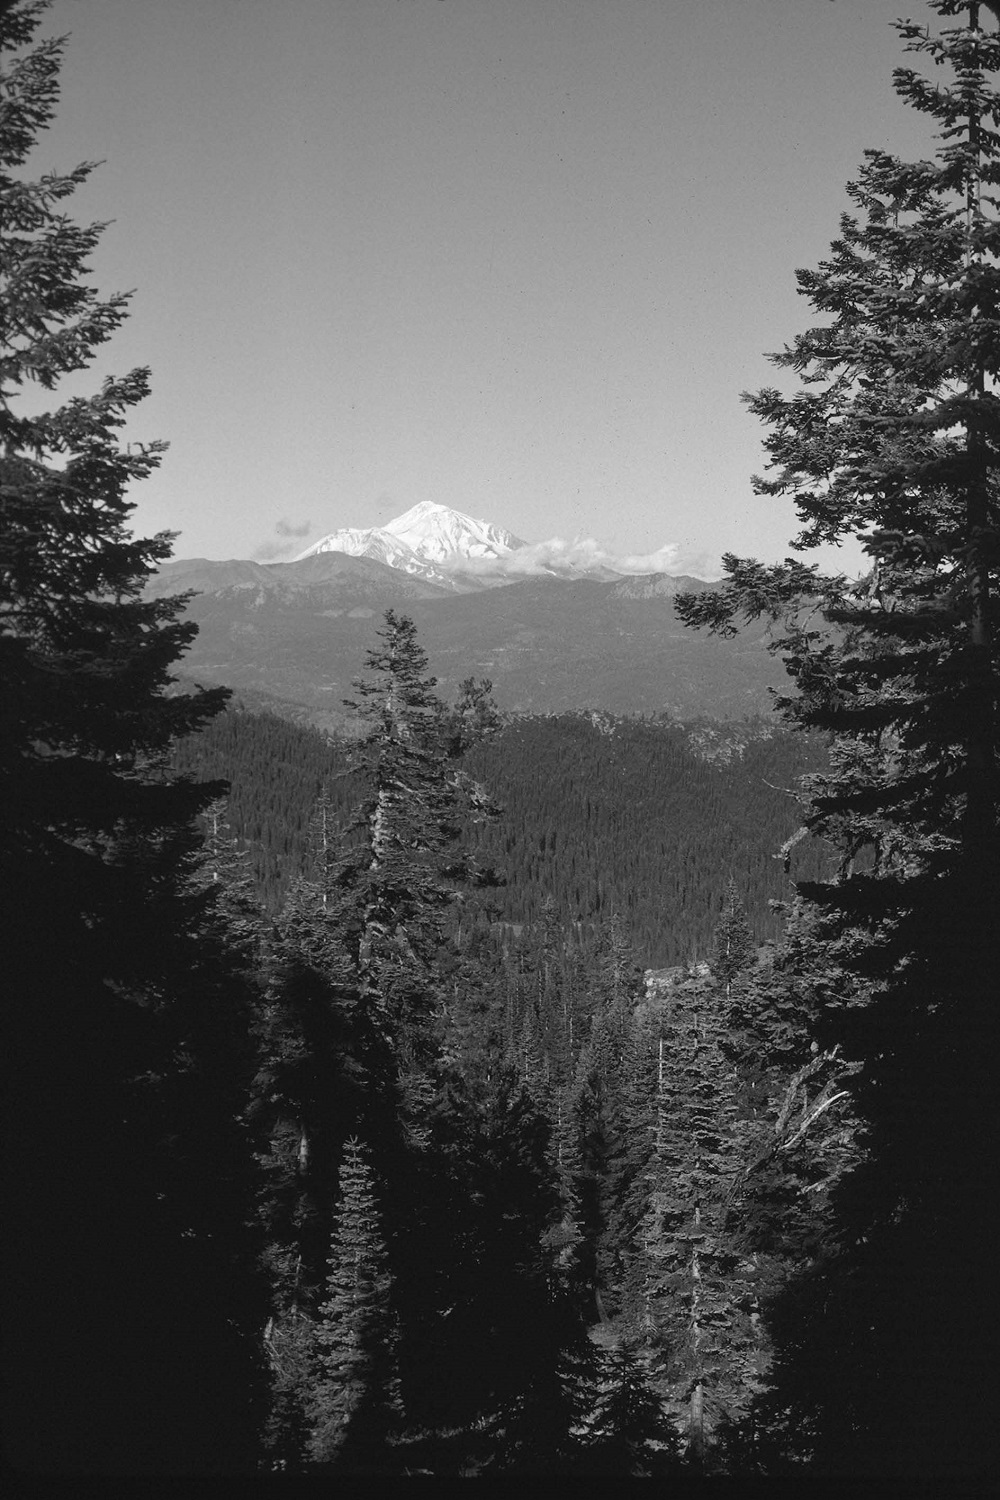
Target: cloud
(582, 556)
(289, 534)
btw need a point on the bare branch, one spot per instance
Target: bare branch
(793, 1140)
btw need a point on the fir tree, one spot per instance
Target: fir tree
(126, 1028)
(224, 868)
(633, 1114)
(693, 1289)
(895, 439)
(629, 1434)
(544, 1428)
(355, 1403)
(733, 948)
(474, 717)
(399, 883)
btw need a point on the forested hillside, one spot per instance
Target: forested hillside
(644, 821)
(276, 771)
(596, 817)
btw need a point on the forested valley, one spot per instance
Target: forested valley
(491, 1096)
(638, 820)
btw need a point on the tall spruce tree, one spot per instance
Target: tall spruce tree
(324, 1074)
(397, 878)
(630, 1435)
(733, 947)
(688, 1270)
(355, 1401)
(895, 439)
(122, 1025)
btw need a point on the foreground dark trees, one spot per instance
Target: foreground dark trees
(129, 1290)
(895, 438)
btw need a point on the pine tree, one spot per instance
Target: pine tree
(224, 868)
(85, 657)
(474, 717)
(733, 947)
(324, 1073)
(693, 1288)
(355, 1401)
(630, 1435)
(633, 1115)
(895, 439)
(607, 1070)
(371, 1008)
(397, 883)
(125, 1030)
(544, 1427)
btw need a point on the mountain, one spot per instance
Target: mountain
(376, 542)
(552, 639)
(294, 635)
(429, 540)
(442, 535)
(351, 578)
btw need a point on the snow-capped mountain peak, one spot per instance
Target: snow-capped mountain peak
(371, 542)
(440, 534)
(422, 540)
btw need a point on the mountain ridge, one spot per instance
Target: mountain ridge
(428, 540)
(550, 642)
(299, 632)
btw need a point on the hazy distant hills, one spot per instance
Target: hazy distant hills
(297, 633)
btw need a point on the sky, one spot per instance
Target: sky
(518, 257)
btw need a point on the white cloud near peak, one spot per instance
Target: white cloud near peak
(581, 556)
(288, 533)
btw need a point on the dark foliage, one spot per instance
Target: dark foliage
(895, 437)
(130, 1301)
(276, 771)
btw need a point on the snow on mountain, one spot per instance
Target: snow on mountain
(441, 535)
(429, 540)
(375, 542)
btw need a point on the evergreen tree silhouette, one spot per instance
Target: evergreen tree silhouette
(125, 1034)
(894, 439)
(355, 1401)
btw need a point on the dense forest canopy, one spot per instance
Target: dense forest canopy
(429, 1102)
(643, 820)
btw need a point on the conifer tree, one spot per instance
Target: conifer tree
(315, 1083)
(85, 657)
(544, 1427)
(633, 1114)
(474, 717)
(370, 1010)
(629, 1434)
(224, 868)
(355, 1401)
(400, 879)
(692, 1283)
(566, 1162)
(895, 439)
(733, 947)
(324, 1073)
(607, 1073)
(122, 1035)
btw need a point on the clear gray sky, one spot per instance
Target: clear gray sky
(516, 256)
